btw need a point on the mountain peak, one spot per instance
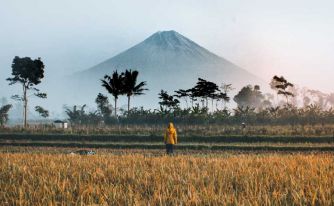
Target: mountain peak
(166, 34)
(169, 40)
(162, 49)
(169, 60)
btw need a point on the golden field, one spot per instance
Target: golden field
(105, 179)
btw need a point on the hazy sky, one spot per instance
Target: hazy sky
(294, 38)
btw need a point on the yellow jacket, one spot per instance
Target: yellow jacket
(170, 136)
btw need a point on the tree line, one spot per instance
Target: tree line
(253, 106)
(205, 102)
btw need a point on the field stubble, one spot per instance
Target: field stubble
(270, 179)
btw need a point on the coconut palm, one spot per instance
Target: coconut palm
(131, 88)
(114, 85)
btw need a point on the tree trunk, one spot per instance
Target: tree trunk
(25, 106)
(128, 104)
(115, 107)
(212, 105)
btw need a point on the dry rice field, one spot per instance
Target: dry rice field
(136, 179)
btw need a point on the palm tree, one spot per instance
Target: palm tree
(131, 88)
(273, 111)
(75, 115)
(243, 113)
(114, 85)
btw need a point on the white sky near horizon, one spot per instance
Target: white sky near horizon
(294, 38)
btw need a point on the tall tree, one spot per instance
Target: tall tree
(28, 73)
(205, 89)
(183, 94)
(319, 98)
(192, 95)
(131, 88)
(103, 106)
(114, 85)
(226, 89)
(4, 113)
(167, 100)
(330, 99)
(249, 96)
(223, 97)
(281, 85)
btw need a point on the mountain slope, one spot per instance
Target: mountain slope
(167, 49)
(166, 60)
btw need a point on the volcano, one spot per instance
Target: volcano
(166, 60)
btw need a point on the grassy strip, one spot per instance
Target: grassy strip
(180, 143)
(155, 138)
(178, 147)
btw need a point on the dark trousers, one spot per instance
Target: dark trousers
(169, 148)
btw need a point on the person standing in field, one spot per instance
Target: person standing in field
(170, 138)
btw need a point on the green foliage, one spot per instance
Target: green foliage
(29, 73)
(168, 101)
(205, 89)
(76, 116)
(4, 113)
(42, 112)
(114, 85)
(281, 85)
(41, 95)
(130, 86)
(244, 114)
(103, 106)
(202, 92)
(123, 84)
(249, 97)
(287, 115)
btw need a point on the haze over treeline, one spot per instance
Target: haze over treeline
(294, 39)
